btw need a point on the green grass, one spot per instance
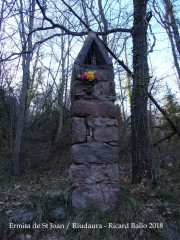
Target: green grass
(129, 210)
(166, 194)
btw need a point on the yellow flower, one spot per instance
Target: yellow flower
(90, 76)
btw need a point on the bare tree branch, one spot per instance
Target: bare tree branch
(104, 21)
(67, 31)
(173, 126)
(75, 14)
(121, 63)
(164, 139)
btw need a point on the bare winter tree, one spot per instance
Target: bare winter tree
(76, 19)
(171, 20)
(168, 20)
(141, 157)
(26, 59)
(63, 89)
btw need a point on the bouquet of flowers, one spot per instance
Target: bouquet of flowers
(90, 78)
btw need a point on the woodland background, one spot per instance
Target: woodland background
(39, 41)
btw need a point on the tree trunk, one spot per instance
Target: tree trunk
(26, 58)
(20, 124)
(171, 18)
(175, 57)
(173, 34)
(104, 21)
(61, 90)
(141, 154)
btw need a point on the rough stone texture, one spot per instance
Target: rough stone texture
(104, 74)
(113, 143)
(106, 134)
(101, 90)
(79, 89)
(95, 152)
(104, 196)
(79, 130)
(106, 89)
(94, 108)
(100, 122)
(93, 173)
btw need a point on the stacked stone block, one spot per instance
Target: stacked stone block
(94, 152)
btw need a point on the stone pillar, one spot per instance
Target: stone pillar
(94, 131)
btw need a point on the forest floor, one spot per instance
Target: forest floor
(51, 177)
